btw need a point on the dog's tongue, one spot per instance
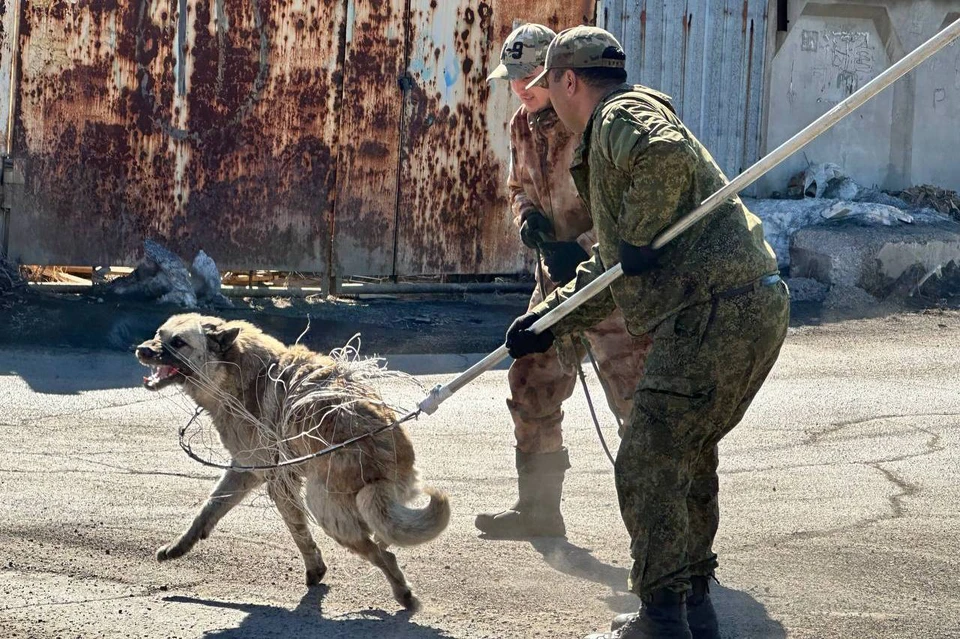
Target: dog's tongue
(160, 373)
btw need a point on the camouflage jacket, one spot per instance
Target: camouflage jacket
(640, 170)
(541, 149)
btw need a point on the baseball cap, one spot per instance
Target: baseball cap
(582, 47)
(523, 51)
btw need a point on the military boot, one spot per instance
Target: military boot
(663, 615)
(537, 512)
(701, 617)
(700, 613)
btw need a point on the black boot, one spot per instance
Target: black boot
(537, 512)
(700, 613)
(701, 617)
(662, 615)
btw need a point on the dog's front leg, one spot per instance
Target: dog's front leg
(229, 491)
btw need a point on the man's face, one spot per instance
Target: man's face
(535, 99)
(560, 89)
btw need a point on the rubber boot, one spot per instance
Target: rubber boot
(701, 616)
(662, 615)
(537, 511)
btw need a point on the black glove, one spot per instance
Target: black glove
(560, 260)
(636, 260)
(535, 224)
(522, 341)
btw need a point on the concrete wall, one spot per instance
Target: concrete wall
(909, 134)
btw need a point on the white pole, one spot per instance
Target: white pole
(906, 64)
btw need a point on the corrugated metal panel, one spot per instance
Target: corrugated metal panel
(708, 55)
(8, 49)
(453, 214)
(201, 124)
(367, 179)
(272, 135)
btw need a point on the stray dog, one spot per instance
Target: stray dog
(245, 380)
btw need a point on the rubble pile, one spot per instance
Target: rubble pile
(163, 277)
(10, 279)
(852, 247)
(926, 196)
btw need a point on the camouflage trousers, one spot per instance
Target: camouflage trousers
(540, 383)
(705, 367)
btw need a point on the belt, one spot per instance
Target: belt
(760, 282)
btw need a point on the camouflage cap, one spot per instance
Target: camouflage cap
(582, 47)
(524, 50)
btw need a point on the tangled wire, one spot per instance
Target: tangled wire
(309, 401)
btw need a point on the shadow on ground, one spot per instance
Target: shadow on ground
(307, 620)
(741, 616)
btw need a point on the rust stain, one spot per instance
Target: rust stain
(453, 206)
(269, 133)
(369, 154)
(205, 125)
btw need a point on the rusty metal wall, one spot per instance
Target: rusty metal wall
(370, 119)
(706, 54)
(356, 135)
(201, 123)
(453, 215)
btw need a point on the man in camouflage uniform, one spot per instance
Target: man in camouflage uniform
(552, 220)
(712, 298)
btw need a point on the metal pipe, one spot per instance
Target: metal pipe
(346, 290)
(906, 64)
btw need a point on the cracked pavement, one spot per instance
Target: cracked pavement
(839, 498)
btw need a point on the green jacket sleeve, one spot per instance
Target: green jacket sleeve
(592, 312)
(660, 164)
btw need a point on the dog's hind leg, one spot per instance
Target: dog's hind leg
(285, 493)
(229, 491)
(379, 556)
(338, 515)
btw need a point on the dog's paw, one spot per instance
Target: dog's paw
(171, 551)
(407, 599)
(315, 575)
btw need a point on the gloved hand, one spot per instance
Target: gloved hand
(522, 341)
(636, 260)
(533, 226)
(560, 260)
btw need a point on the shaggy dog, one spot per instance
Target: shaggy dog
(270, 402)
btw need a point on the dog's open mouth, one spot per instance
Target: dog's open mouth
(161, 376)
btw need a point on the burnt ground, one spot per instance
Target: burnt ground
(387, 325)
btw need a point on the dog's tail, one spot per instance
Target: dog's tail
(396, 524)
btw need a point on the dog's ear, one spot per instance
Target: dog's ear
(222, 338)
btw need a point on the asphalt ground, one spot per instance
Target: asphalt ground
(839, 497)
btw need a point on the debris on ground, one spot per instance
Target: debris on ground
(823, 194)
(206, 281)
(865, 214)
(927, 196)
(850, 301)
(814, 180)
(163, 277)
(806, 289)
(940, 285)
(10, 279)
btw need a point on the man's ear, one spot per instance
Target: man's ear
(569, 82)
(222, 338)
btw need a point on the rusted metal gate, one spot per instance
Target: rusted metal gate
(709, 56)
(356, 136)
